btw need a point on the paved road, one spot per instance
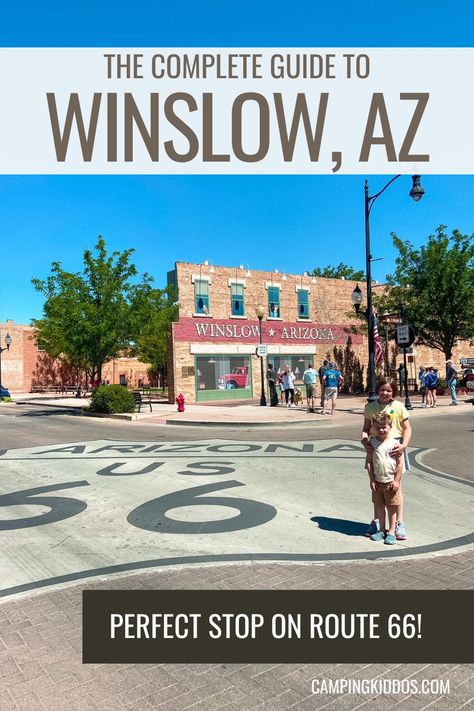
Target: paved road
(449, 433)
(309, 500)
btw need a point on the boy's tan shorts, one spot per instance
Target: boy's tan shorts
(385, 495)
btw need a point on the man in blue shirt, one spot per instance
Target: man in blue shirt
(422, 379)
(332, 379)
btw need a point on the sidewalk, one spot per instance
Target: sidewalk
(42, 665)
(245, 413)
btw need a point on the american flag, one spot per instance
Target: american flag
(377, 344)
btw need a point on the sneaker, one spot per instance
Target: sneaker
(379, 536)
(453, 403)
(390, 539)
(400, 531)
(374, 527)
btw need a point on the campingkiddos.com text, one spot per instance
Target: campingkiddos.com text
(436, 687)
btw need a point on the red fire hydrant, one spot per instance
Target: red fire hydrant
(180, 402)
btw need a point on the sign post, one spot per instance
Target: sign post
(404, 338)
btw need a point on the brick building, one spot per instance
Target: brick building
(212, 354)
(307, 319)
(26, 364)
(212, 349)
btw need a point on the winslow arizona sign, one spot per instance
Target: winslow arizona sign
(221, 331)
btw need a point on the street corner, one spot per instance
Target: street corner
(87, 509)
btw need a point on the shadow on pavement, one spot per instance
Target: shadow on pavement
(48, 412)
(340, 525)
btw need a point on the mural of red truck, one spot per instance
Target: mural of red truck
(238, 378)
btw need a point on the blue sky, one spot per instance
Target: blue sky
(292, 223)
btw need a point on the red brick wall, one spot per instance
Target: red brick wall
(24, 365)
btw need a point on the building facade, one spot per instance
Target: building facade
(213, 343)
(212, 355)
(26, 364)
(307, 319)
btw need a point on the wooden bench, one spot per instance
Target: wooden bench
(46, 388)
(141, 399)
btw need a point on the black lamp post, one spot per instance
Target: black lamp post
(385, 320)
(8, 341)
(416, 193)
(260, 310)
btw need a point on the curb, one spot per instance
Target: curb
(232, 423)
(112, 416)
(69, 408)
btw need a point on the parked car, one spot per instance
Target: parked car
(238, 378)
(469, 378)
(4, 392)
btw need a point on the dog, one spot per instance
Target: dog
(298, 397)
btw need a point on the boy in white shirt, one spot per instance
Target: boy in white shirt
(385, 473)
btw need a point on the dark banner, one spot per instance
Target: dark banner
(408, 626)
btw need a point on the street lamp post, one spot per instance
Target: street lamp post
(408, 404)
(8, 341)
(260, 310)
(385, 320)
(416, 193)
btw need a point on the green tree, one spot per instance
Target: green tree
(153, 342)
(97, 314)
(342, 271)
(433, 287)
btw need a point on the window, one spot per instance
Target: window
(201, 296)
(237, 299)
(297, 363)
(303, 303)
(223, 377)
(274, 302)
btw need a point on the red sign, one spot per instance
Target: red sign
(197, 330)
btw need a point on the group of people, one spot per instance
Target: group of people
(329, 378)
(428, 378)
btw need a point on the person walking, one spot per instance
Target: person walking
(422, 381)
(332, 379)
(431, 380)
(309, 379)
(451, 379)
(289, 386)
(321, 372)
